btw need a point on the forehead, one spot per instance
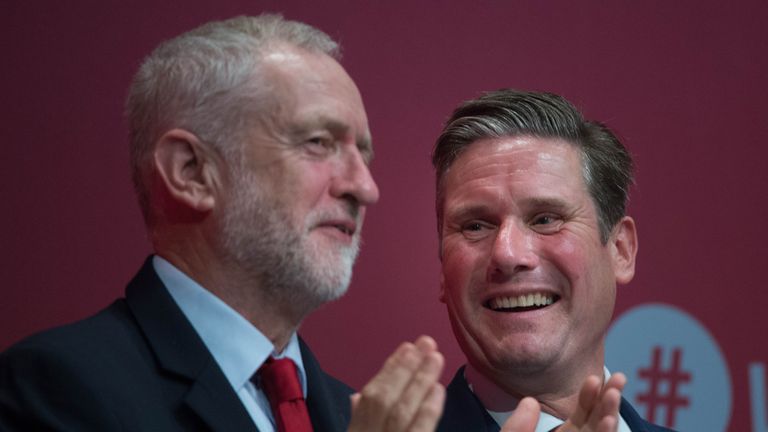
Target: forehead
(313, 87)
(527, 163)
(518, 153)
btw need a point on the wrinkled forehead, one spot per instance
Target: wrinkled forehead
(508, 147)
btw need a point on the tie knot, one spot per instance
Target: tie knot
(280, 380)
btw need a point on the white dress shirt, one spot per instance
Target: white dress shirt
(237, 346)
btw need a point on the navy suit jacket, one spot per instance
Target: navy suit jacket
(464, 412)
(138, 365)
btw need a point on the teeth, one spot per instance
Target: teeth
(528, 300)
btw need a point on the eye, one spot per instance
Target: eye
(476, 230)
(544, 220)
(473, 226)
(319, 145)
(366, 152)
(546, 223)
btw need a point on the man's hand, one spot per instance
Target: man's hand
(597, 411)
(524, 418)
(405, 395)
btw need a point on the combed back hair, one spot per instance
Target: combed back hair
(206, 81)
(606, 163)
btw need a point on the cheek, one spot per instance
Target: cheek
(570, 256)
(305, 185)
(461, 266)
(587, 269)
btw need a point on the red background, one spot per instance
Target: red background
(683, 82)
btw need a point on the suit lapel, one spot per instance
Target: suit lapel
(463, 411)
(327, 399)
(219, 407)
(182, 354)
(634, 421)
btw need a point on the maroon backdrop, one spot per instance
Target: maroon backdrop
(683, 82)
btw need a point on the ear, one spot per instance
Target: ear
(187, 168)
(624, 249)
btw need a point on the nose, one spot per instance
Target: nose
(512, 251)
(354, 180)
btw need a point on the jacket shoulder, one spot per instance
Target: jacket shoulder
(58, 379)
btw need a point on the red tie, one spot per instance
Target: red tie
(280, 382)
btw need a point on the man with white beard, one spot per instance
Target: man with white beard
(249, 150)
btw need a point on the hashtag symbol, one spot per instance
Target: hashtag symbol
(655, 376)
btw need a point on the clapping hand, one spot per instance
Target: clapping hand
(405, 395)
(597, 410)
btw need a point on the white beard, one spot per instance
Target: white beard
(257, 233)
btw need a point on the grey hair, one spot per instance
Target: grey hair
(206, 81)
(606, 163)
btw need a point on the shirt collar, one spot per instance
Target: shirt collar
(237, 346)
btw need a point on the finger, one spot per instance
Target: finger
(421, 383)
(426, 417)
(608, 407)
(608, 424)
(588, 397)
(524, 417)
(378, 396)
(354, 400)
(425, 344)
(610, 399)
(617, 381)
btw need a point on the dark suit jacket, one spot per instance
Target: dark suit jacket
(464, 412)
(138, 365)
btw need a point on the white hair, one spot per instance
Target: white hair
(206, 81)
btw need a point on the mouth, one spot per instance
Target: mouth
(348, 228)
(345, 229)
(521, 303)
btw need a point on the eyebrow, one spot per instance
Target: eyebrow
(545, 202)
(480, 209)
(467, 211)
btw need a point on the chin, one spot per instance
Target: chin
(521, 359)
(331, 282)
(334, 291)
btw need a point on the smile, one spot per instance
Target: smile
(521, 303)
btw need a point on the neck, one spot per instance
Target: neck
(557, 396)
(274, 318)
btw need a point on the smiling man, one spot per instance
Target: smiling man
(250, 155)
(534, 238)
